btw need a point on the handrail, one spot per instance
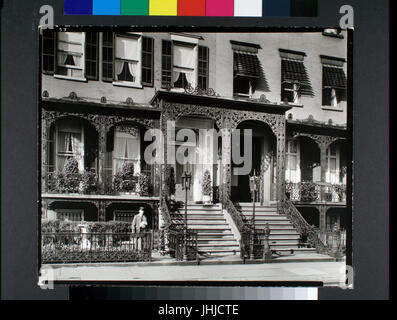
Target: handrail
(302, 226)
(236, 216)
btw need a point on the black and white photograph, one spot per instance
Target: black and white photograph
(188, 156)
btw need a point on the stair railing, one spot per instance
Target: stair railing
(304, 229)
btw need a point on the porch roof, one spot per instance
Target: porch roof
(316, 128)
(220, 102)
(83, 106)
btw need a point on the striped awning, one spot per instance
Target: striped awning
(295, 71)
(334, 77)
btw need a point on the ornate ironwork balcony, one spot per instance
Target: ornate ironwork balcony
(316, 192)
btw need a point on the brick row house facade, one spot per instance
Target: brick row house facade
(102, 91)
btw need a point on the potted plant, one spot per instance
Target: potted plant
(68, 181)
(88, 182)
(124, 180)
(207, 187)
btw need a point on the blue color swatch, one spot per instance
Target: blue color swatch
(77, 7)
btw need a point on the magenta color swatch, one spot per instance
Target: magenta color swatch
(220, 8)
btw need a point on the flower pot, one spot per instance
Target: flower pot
(206, 199)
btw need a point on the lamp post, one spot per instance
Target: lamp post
(186, 181)
(253, 182)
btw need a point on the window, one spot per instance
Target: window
(126, 148)
(332, 164)
(147, 61)
(69, 143)
(75, 215)
(180, 64)
(294, 78)
(292, 161)
(248, 75)
(70, 55)
(107, 56)
(48, 51)
(127, 59)
(91, 55)
(203, 66)
(334, 86)
(123, 215)
(166, 64)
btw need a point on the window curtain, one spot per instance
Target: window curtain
(126, 149)
(69, 143)
(184, 61)
(70, 43)
(127, 49)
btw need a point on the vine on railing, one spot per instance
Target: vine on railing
(304, 229)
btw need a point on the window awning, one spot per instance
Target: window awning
(295, 71)
(247, 65)
(334, 77)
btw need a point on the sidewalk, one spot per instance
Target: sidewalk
(331, 273)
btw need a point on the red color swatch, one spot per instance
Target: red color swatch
(191, 7)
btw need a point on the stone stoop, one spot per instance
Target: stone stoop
(283, 235)
(214, 234)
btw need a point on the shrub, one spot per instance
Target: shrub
(144, 184)
(89, 181)
(124, 180)
(69, 179)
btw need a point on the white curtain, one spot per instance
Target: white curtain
(133, 67)
(119, 66)
(70, 43)
(69, 143)
(190, 78)
(126, 149)
(175, 75)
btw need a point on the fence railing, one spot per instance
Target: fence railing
(256, 236)
(68, 247)
(336, 240)
(315, 192)
(181, 240)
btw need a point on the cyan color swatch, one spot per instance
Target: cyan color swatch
(106, 7)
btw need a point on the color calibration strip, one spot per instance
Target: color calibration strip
(208, 8)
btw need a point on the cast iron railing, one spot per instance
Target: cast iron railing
(68, 247)
(315, 192)
(309, 234)
(258, 245)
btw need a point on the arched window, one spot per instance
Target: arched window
(126, 148)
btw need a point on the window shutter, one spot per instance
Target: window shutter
(107, 56)
(166, 64)
(147, 61)
(91, 55)
(48, 51)
(203, 67)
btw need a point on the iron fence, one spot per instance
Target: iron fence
(68, 247)
(178, 239)
(258, 245)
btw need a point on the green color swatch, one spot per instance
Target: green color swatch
(135, 7)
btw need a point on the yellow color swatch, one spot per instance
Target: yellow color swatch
(163, 7)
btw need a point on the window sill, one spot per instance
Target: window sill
(329, 108)
(127, 84)
(70, 78)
